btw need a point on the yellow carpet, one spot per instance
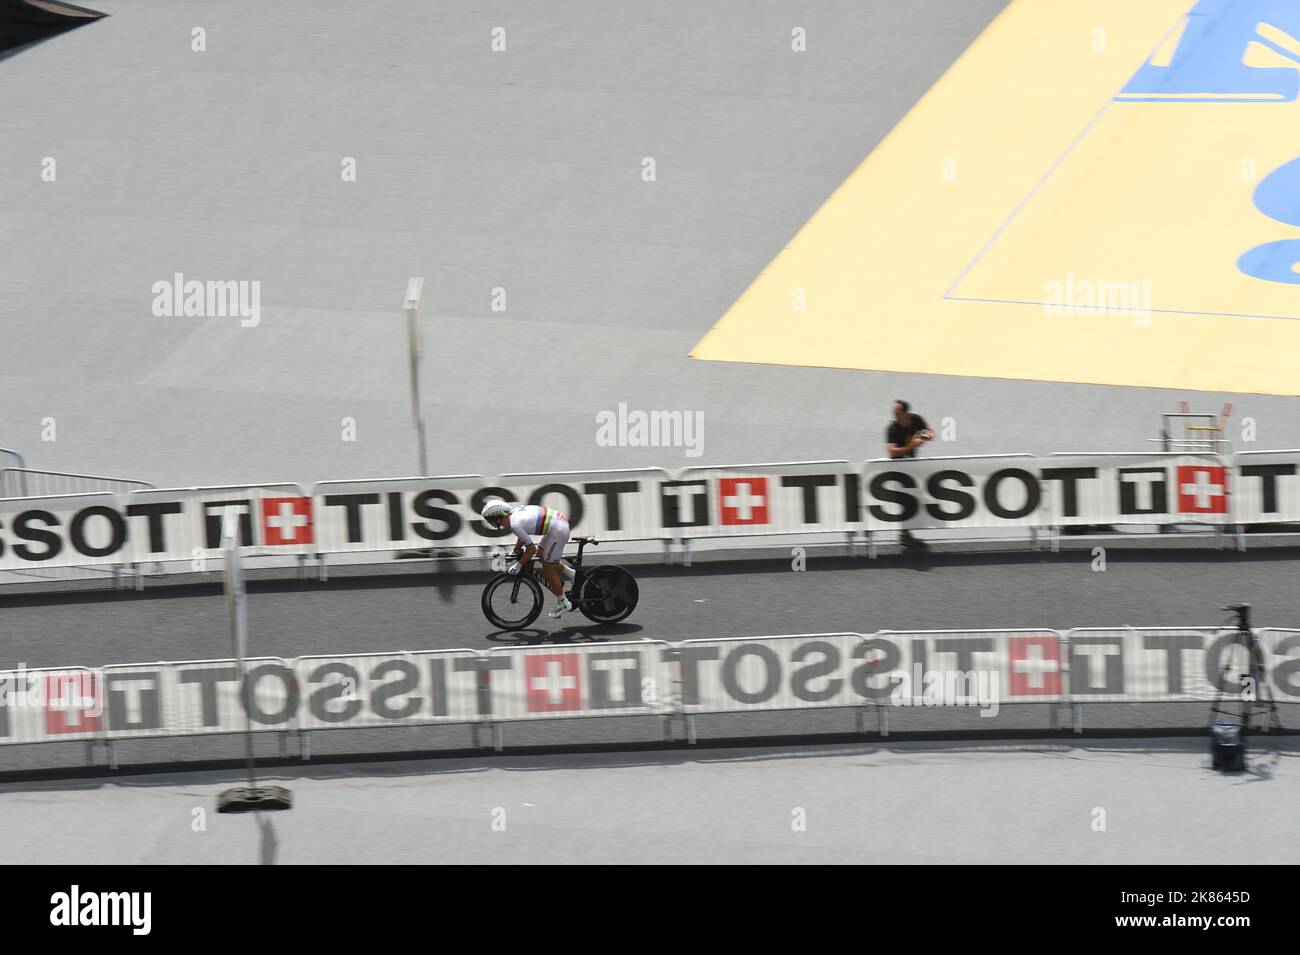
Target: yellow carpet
(1038, 216)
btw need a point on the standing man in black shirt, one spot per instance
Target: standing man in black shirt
(905, 434)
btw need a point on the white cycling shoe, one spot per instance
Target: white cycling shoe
(561, 606)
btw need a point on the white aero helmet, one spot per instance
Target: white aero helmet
(494, 510)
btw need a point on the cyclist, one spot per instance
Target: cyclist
(527, 521)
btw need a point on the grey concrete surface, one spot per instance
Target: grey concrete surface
(477, 170)
(1157, 802)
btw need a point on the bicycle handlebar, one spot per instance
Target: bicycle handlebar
(519, 548)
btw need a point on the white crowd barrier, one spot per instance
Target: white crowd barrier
(964, 494)
(878, 671)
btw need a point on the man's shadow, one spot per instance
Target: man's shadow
(268, 841)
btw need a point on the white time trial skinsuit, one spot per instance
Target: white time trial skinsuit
(534, 520)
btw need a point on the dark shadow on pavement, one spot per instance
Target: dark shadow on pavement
(268, 843)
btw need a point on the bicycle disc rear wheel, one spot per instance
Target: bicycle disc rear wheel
(609, 594)
(512, 601)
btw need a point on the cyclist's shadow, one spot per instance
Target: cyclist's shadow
(572, 633)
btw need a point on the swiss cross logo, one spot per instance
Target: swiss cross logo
(1035, 665)
(1202, 489)
(553, 682)
(72, 703)
(743, 500)
(286, 520)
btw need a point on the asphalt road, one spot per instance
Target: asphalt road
(422, 605)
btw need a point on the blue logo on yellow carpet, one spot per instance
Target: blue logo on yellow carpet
(1208, 63)
(1209, 66)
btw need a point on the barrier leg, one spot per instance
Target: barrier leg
(90, 752)
(871, 546)
(1241, 537)
(139, 576)
(112, 755)
(117, 577)
(691, 738)
(668, 552)
(1078, 717)
(322, 568)
(686, 552)
(668, 729)
(306, 746)
(498, 737)
(882, 713)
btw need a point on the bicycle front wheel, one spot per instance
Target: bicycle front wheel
(512, 601)
(609, 594)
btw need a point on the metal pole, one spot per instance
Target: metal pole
(235, 607)
(251, 798)
(414, 290)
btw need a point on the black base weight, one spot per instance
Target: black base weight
(255, 799)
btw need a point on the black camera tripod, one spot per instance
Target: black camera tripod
(1253, 696)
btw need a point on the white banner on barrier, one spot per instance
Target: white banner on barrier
(919, 668)
(974, 667)
(82, 530)
(603, 679)
(1159, 488)
(273, 519)
(444, 511)
(779, 673)
(79, 530)
(1268, 487)
(978, 668)
(143, 700)
(1281, 648)
(953, 493)
(748, 499)
(395, 514)
(612, 505)
(203, 696)
(387, 689)
(1156, 664)
(51, 705)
